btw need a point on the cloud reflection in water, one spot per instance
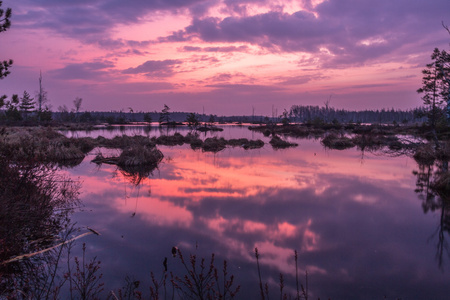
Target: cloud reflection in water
(357, 225)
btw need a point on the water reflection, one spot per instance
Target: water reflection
(229, 131)
(357, 227)
(433, 187)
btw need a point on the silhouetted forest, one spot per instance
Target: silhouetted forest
(297, 113)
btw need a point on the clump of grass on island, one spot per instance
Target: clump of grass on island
(193, 140)
(339, 142)
(170, 140)
(253, 144)
(278, 143)
(246, 143)
(138, 155)
(237, 142)
(294, 130)
(133, 156)
(209, 128)
(376, 141)
(124, 141)
(214, 144)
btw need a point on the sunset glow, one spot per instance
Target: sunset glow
(223, 56)
(188, 181)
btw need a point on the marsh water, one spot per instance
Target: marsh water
(360, 228)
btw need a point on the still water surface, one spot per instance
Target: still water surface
(354, 218)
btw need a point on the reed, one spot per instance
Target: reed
(259, 274)
(301, 290)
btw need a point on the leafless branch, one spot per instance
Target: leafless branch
(445, 27)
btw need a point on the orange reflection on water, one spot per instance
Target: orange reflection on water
(232, 177)
(216, 194)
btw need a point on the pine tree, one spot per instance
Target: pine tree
(147, 118)
(12, 113)
(435, 87)
(26, 104)
(164, 116)
(192, 120)
(5, 23)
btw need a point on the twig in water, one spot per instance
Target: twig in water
(48, 249)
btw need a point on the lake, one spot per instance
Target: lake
(354, 218)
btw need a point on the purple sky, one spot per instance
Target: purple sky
(223, 56)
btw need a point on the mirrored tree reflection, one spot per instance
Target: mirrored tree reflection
(36, 205)
(433, 187)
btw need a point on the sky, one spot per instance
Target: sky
(223, 57)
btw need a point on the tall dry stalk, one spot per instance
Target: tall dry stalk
(259, 274)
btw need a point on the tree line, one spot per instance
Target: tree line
(304, 114)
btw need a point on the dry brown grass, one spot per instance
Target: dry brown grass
(138, 155)
(42, 144)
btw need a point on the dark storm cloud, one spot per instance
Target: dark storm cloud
(155, 68)
(86, 71)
